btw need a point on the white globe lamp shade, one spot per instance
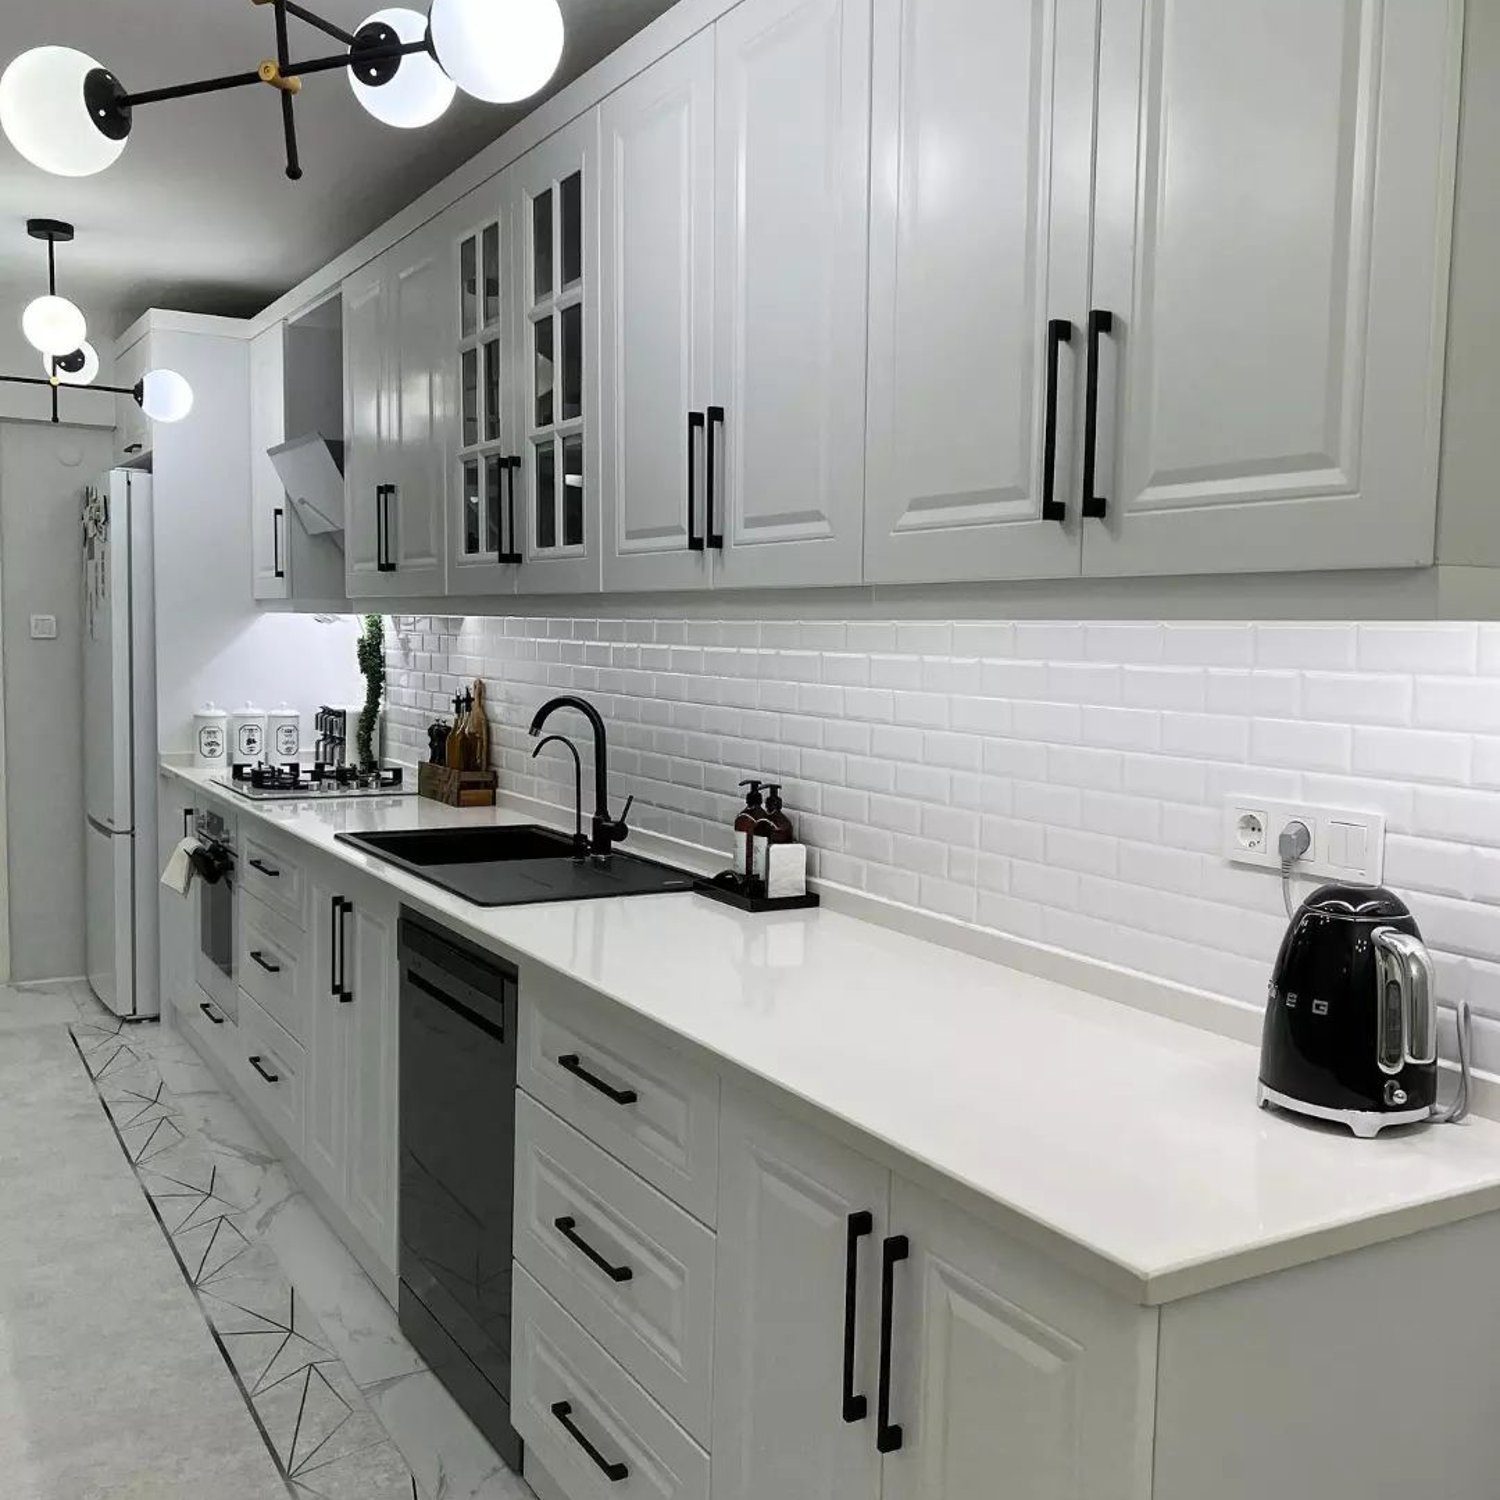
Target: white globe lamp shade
(48, 119)
(86, 375)
(164, 396)
(418, 92)
(500, 51)
(53, 325)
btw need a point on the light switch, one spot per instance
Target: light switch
(44, 627)
(1348, 846)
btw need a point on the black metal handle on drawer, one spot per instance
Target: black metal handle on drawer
(255, 1063)
(715, 423)
(888, 1435)
(1059, 332)
(208, 1011)
(614, 1472)
(567, 1227)
(264, 962)
(265, 869)
(1094, 506)
(695, 426)
(570, 1062)
(856, 1407)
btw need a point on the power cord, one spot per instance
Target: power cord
(1295, 841)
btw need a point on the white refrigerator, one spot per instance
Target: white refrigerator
(119, 756)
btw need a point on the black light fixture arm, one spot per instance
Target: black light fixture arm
(368, 48)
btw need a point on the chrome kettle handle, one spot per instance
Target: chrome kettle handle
(1406, 1009)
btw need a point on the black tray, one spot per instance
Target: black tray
(731, 896)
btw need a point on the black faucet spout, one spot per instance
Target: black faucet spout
(607, 831)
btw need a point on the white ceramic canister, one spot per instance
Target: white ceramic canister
(247, 736)
(284, 736)
(210, 739)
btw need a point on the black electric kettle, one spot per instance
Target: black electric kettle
(1350, 1031)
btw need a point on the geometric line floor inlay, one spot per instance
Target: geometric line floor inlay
(325, 1442)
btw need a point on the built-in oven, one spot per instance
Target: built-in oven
(458, 1120)
(215, 887)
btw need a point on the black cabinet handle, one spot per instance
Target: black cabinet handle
(715, 422)
(695, 426)
(212, 1015)
(278, 519)
(1094, 506)
(511, 464)
(614, 1472)
(384, 495)
(336, 949)
(888, 1434)
(567, 1227)
(342, 909)
(256, 1063)
(1059, 332)
(570, 1062)
(856, 1407)
(265, 869)
(264, 962)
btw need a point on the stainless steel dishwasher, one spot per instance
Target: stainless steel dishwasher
(458, 1126)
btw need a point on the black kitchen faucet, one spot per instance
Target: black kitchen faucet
(608, 831)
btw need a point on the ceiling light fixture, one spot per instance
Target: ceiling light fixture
(56, 328)
(69, 115)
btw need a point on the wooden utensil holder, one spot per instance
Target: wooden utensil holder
(457, 788)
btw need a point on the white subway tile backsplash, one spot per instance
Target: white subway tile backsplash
(1061, 782)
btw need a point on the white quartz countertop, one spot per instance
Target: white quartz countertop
(1128, 1144)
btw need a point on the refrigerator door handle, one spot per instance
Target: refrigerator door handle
(107, 829)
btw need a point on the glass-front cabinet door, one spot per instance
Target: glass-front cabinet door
(551, 198)
(486, 523)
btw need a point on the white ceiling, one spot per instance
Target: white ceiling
(198, 213)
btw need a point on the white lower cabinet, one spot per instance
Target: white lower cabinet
(273, 1066)
(351, 1046)
(592, 1428)
(1007, 1374)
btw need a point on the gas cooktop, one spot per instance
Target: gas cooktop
(296, 782)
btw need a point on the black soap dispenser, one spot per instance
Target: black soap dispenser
(744, 831)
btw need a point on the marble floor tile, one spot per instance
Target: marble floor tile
(23, 1006)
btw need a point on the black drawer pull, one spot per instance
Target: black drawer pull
(571, 1063)
(856, 1407)
(264, 962)
(695, 426)
(568, 1228)
(265, 869)
(614, 1472)
(715, 415)
(212, 1014)
(255, 1063)
(888, 1434)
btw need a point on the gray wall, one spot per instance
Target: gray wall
(42, 471)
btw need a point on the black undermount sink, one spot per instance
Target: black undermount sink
(516, 864)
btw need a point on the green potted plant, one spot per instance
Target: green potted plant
(371, 656)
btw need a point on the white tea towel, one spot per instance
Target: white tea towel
(178, 876)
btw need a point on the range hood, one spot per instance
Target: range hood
(311, 470)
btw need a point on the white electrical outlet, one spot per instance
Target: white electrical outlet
(1346, 844)
(44, 627)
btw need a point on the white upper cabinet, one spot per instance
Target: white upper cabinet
(550, 199)
(791, 218)
(365, 309)
(1272, 209)
(655, 317)
(979, 246)
(399, 338)
(268, 505)
(483, 524)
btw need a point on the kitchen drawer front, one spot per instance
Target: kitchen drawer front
(562, 1376)
(209, 1026)
(578, 1053)
(273, 1070)
(630, 1265)
(271, 875)
(271, 965)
